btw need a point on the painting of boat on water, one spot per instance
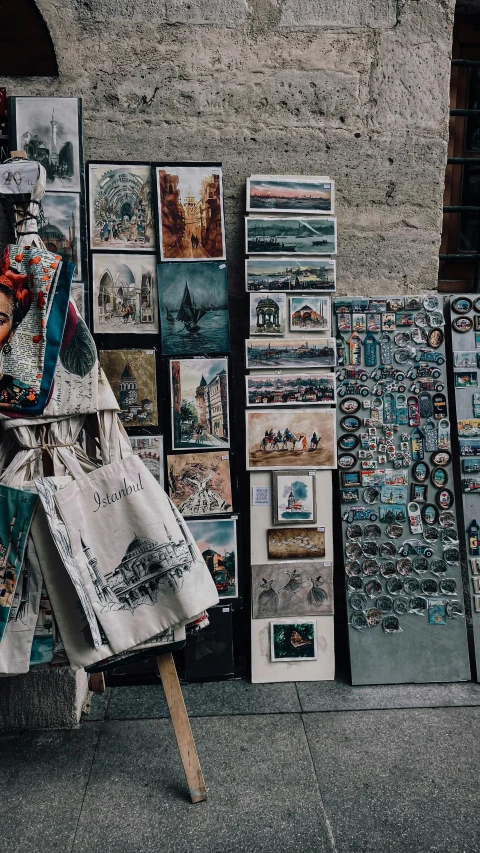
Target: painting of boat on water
(290, 389)
(297, 273)
(290, 352)
(290, 194)
(273, 235)
(193, 308)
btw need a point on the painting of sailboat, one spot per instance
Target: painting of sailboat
(194, 308)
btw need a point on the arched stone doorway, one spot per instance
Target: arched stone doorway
(26, 46)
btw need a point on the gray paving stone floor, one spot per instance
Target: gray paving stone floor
(293, 768)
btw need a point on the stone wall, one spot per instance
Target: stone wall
(354, 89)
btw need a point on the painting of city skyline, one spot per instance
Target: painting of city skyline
(194, 308)
(49, 130)
(124, 289)
(290, 194)
(272, 235)
(120, 203)
(199, 394)
(290, 352)
(310, 313)
(61, 231)
(292, 589)
(190, 212)
(131, 373)
(296, 273)
(199, 483)
(268, 314)
(217, 542)
(290, 438)
(289, 389)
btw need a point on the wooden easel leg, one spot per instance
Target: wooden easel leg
(97, 682)
(181, 725)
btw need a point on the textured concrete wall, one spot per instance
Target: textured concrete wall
(356, 89)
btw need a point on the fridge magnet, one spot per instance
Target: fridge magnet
(199, 395)
(217, 543)
(199, 483)
(384, 603)
(310, 314)
(466, 379)
(190, 212)
(374, 322)
(352, 478)
(435, 338)
(476, 405)
(373, 617)
(292, 589)
(131, 374)
(430, 514)
(476, 304)
(291, 543)
(462, 324)
(411, 586)
(359, 322)
(350, 423)
(437, 614)
(149, 449)
(290, 352)
(358, 620)
(120, 207)
(291, 438)
(304, 236)
(349, 495)
(476, 322)
(294, 498)
(346, 460)
(461, 305)
(393, 495)
(418, 493)
(284, 194)
(444, 498)
(344, 322)
(393, 513)
(420, 472)
(358, 601)
(448, 586)
(354, 532)
(289, 389)
(50, 131)
(418, 605)
(297, 274)
(455, 609)
(439, 477)
(388, 322)
(268, 313)
(194, 308)
(465, 359)
(61, 230)
(124, 288)
(293, 640)
(391, 625)
(441, 457)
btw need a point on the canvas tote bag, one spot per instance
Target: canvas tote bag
(16, 645)
(139, 563)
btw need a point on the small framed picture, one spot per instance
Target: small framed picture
(418, 493)
(293, 640)
(294, 497)
(350, 478)
(268, 313)
(309, 314)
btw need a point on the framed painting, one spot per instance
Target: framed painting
(294, 497)
(190, 211)
(217, 542)
(61, 230)
(291, 438)
(290, 352)
(292, 589)
(311, 314)
(268, 314)
(293, 640)
(274, 235)
(199, 483)
(199, 398)
(131, 373)
(120, 207)
(290, 194)
(124, 293)
(290, 274)
(290, 389)
(149, 448)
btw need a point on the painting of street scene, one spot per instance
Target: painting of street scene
(199, 483)
(271, 235)
(305, 274)
(291, 438)
(291, 352)
(217, 542)
(121, 212)
(124, 294)
(190, 213)
(194, 308)
(268, 314)
(199, 391)
(131, 373)
(149, 449)
(289, 389)
(285, 194)
(48, 130)
(310, 314)
(60, 230)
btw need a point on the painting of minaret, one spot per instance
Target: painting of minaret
(49, 130)
(61, 229)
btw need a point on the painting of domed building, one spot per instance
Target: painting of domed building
(60, 230)
(267, 314)
(124, 294)
(121, 213)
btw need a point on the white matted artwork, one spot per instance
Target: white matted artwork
(298, 274)
(301, 588)
(265, 671)
(310, 313)
(149, 448)
(125, 298)
(294, 497)
(293, 640)
(290, 389)
(120, 206)
(280, 235)
(274, 353)
(291, 438)
(268, 313)
(290, 194)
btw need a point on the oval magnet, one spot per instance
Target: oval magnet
(373, 616)
(454, 609)
(353, 568)
(439, 402)
(476, 304)
(350, 423)
(413, 411)
(430, 514)
(462, 324)
(394, 531)
(419, 336)
(400, 606)
(436, 319)
(444, 498)
(358, 601)
(387, 549)
(358, 621)
(394, 586)
(420, 565)
(387, 569)
(414, 518)
(371, 495)
(438, 567)
(441, 457)
(429, 586)
(353, 550)
(384, 603)
(439, 477)
(420, 472)
(373, 588)
(347, 460)
(448, 586)
(461, 305)
(370, 549)
(435, 338)
(350, 405)
(431, 303)
(355, 584)
(418, 605)
(431, 436)
(451, 556)
(404, 566)
(348, 442)
(354, 531)
(373, 531)
(430, 534)
(411, 586)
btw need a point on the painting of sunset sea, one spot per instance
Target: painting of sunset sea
(289, 194)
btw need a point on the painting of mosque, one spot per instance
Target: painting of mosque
(61, 230)
(310, 313)
(268, 313)
(131, 374)
(49, 130)
(120, 207)
(124, 293)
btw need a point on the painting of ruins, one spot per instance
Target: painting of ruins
(131, 373)
(199, 394)
(61, 230)
(217, 542)
(49, 130)
(289, 389)
(273, 235)
(297, 273)
(290, 438)
(311, 314)
(199, 483)
(121, 211)
(292, 589)
(285, 194)
(190, 212)
(268, 314)
(124, 290)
